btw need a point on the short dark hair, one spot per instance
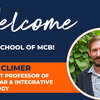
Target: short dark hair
(94, 39)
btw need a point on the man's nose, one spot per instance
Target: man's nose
(98, 53)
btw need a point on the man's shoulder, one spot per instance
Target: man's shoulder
(85, 72)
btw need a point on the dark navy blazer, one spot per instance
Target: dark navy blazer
(84, 82)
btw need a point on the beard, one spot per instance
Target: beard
(96, 61)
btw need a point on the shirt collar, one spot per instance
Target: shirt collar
(92, 70)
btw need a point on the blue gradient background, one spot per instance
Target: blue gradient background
(87, 14)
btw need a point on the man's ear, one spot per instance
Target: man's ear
(89, 52)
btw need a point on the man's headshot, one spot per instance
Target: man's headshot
(89, 80)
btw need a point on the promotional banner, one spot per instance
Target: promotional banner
(44, 48)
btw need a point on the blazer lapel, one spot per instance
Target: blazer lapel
(88, 82)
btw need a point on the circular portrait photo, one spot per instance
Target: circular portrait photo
(83, 63)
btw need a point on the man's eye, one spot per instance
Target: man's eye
(94, 50)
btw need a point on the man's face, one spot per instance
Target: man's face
(95, 53)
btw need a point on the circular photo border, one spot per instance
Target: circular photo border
(67, 63)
